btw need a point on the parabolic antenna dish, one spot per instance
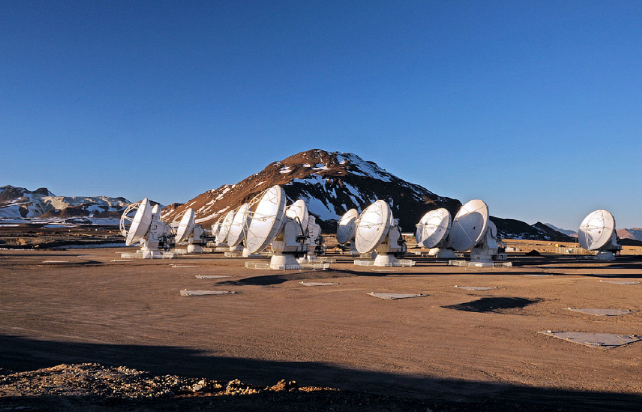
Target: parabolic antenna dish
(469, 225)
(347, 226)
(596, 230)
(226, 225)
(373, 226)
(141, 223)
(239, 225)
(216, 227)
(267, 219)
(298, 211)
(186, 226)
(314, 230)
(433, 228)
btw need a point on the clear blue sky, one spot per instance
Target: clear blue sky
(533, 106)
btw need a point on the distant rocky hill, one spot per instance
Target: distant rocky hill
(633, 233)
(571, 233)
(516, 229)
(331, 183)
(20, 204)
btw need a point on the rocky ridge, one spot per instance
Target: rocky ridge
(632, 234)
(516, 229)
(19, 203)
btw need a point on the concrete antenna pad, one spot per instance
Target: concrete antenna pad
(477, 287)
(186, 292)
(395, 296)
(319, 283)
(622, 282)
(604, 312)
(594, 340)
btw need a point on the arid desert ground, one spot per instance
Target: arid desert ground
(452, 349)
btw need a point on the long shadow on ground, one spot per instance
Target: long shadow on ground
(494, 304)
(21, 354)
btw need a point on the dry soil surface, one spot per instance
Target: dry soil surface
(454, 349)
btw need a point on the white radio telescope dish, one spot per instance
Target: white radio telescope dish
(298, 211)
(347, 226)
(291, 241)
(377, 230)
(473, 230)
(469, 225)
(433, 228)
(216, 227)
(189, 231)
(221, 237)
(141, 223)
(372, 226)
(239, 225)
(146, 228)
(597, 232)
(186, 226)
(267, 219)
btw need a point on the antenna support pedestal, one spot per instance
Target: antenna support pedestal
(284, 261)
(482, 254)
(442, 253)
(237, 248)
(246, 253)
(194, 248)
(605, 255)
(386, 259)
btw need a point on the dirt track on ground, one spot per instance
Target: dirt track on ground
(88, 306)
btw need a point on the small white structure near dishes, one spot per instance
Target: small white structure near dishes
(433, 232)
(377, 230)
(189, 231)
(146, 228)
(472, 230)
(597, 233)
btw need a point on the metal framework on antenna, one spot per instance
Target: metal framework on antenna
(126, 220)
